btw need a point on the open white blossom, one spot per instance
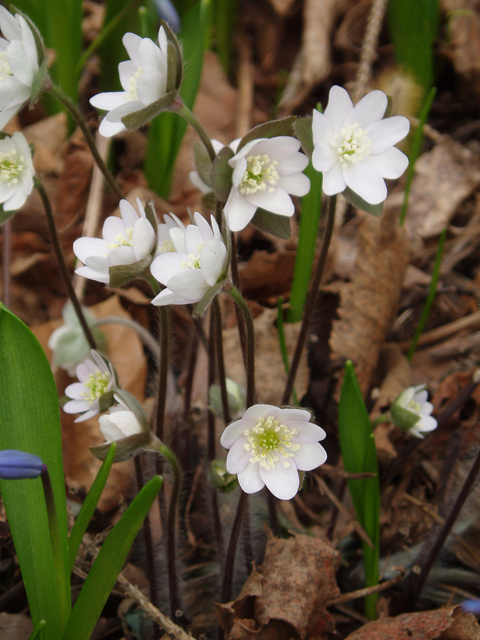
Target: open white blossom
(143, 78)
(97, 380)
(16, 171)
(411, 411)
(18, 64)
(190, 273)
(269, 445)
(266, 172)
(126, 241)
(119, 424)
(354, 145)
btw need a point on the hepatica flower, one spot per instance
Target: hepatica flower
(16, 172)
(170, 235)
(119, 424)
(127, 241)
(269, 445)
(144, 82)
(354, 146)
(266, 172)
(411, 411)
(94, 393)
(189, 274)
(19, 64)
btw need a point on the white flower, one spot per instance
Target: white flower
(354, 146)
(18, 64)
(170, 235)
(411, 411)
(119, 424)
(265, 172)
(97, 380)
(126, 241)
(143, 78)
(269, 445)
(190, 273)
(16, 170)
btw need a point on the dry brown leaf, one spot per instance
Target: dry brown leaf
(449, 623)
(395, 372)
(444, 177)
(126, 352)
(286, 595)
(369, 302)
(15, 626)
(47, 136)
(267, 274)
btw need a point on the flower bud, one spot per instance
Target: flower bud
(18, 465)
(236, 399)
(411, 411)
(221, 479)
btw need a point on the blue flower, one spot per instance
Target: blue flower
(17, 465)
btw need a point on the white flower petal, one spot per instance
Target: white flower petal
(120, 256)
(296, 185)
(190, 284)
(212, 260)
(286, 415)
(167, 265)
(282, 481)
(249, 479)
(338, 108)
(426, 409)
(166, 297)
(113, 227)
(307, 431)
(193, 240)
(324, 157)
(21, 65)
(203, 227)
(310, 456)
(321, 129)
(258, 411)
(131, 42)
(368, 184)
(278, 148)
(108, 100)
(238, 458)
(236, 430)
(108, 129)
(333, 180)
(143, 238)
(277, 202)
(291, 165)
(386, 133)
(76, 406)
(238, 211)
(92, 274)
(389, 164)
(85, 247)
(426, 423)
(370, 109)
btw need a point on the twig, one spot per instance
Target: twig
(369, 47)
(471, 321)
(356, 525)
(152, 612)
(362, 593)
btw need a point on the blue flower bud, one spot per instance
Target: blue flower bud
(167, 12)
(17, 465)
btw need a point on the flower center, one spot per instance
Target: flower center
(11, 167)
(5, 70)
(414, 406)
(132, 85)
(352, 144)
(259, 174)
(96, 385)
(122, 240)
(166, 246)
(270, 441)
(193, 263)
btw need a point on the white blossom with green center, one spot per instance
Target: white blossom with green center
(411, 411)
(97, 380)
(127, 240)
(16, 173)
(199, 263)
(269, 445)
(354, 146)
(19, 64)
(143, 78)
(266, 173)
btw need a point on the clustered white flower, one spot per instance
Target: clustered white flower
(197, 264)
(16, 170)
(143, 78)
(126, 241)
(354, 146)
(97, 380)
(269, 445)
(266, 172)
(411, 411)
(18, 64)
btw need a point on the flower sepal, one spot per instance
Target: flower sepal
(142, 116)
(203, 304)
(127, 447)
(272, 129)
(121, 274)
(303, 129)
(360, 203)
(174, 58)
(269, 222)
(203, 164)
(221, 174)
(403, 418)
(221, 478)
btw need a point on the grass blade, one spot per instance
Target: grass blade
(29, 401)
(360, 456)
(109, 563)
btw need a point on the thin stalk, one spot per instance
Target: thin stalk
(63, 587)
(417, 581)
(250, 343)
(211, 441)
(217, 315)
(283, 344)
(147, 537)
(77, 116)
(190, 371)
(236, 282)
(7, 246)
(311, 299)
(181, 108)
(226, 591)
(62, 266)
(161, 402)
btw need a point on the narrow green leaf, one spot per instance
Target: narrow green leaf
(30, 421)
(359, 456)
(269, 222)
(272, 129)
(307, 240)
(109, 563)
(89, 505)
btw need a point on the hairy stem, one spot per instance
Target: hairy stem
(226, 590)
(311, 299)
(181, 108)
(63, 267)
(217, 315)
(250, 342)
